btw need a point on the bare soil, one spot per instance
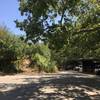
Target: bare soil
(67, 85)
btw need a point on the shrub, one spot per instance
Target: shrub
(13, 49)
(7, 58)
(7, 51)
(44, 63)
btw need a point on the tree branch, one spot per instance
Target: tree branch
(89, 30)
(63, 12)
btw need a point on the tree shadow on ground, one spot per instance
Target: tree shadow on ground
(59, 87)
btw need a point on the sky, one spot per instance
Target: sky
(8, 13)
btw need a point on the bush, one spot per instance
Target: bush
(44, 64)
(7, 52)
(7, 58)
(13, 49)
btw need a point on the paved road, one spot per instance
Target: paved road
(60, 86)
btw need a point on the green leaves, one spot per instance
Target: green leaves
(42, 15)
(70, 27)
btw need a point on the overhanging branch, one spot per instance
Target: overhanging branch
(89, 30)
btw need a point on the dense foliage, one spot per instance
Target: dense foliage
(7, 52)
(13, 50)
(70, 27)
(44, 59)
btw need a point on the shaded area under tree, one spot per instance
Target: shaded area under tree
(70, 85)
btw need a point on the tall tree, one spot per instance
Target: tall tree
(69, 24)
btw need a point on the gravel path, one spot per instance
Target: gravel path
(60, 86)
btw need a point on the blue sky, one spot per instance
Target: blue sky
(8, 13)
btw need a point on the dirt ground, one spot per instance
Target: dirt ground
(59, 86)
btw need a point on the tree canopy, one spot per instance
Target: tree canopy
(46, 18)
(70, 27)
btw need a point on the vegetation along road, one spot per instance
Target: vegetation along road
(58, 86)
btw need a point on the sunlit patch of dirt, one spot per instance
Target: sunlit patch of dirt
(48, 89)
